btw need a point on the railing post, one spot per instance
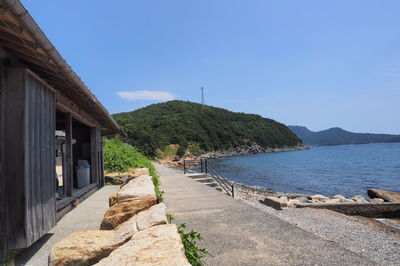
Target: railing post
(202, 166)
(233, 191)
(184, 166)
(205, 164)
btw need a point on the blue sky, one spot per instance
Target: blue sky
(314, 63)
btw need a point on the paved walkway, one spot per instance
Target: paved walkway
(86, 216)
(238, 234)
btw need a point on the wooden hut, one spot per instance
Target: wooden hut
(50, 134)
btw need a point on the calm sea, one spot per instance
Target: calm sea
(329, 170)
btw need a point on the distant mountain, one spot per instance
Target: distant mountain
(338, 136)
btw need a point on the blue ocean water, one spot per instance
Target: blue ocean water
(329, 170)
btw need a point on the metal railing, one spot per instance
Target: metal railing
(204, 166)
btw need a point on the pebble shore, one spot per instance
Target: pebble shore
(367, 237)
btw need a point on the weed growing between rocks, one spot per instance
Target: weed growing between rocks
(169, 218)
(120, 157)
(193, 253)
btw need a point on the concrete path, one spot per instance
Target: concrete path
(86, 216)
(238, 234)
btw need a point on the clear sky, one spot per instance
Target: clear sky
(314, 63)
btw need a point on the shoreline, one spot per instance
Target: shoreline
(239, 151)
(243, 151)
(254, 195)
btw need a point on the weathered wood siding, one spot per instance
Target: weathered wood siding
(40, 159)
(3, 190)
(96, 156)
(30, 162)
(13, 163)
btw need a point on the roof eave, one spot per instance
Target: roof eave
(19, 11)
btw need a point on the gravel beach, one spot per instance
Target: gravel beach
(366, 237)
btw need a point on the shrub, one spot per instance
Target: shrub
(181, 151)
(119, 157)
(195, 149)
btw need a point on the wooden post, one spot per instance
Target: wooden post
(3, 190)
(3, 218)
(69, 165)
(205, 163)
(184, 166)
(3, 222)
(94, 147)
(101, 168)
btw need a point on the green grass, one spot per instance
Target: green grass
(120, 157)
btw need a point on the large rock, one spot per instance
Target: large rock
(141, 171)
(302, 199)
(390, 196)
(159, 245)
(122, 211)
(293, 202)
(156, 215)
(114, 179)
(338, 197)
(319, 197)
(87, 248)
(359, 198)
(135, 173)
(377, 200)
(138, 187)
(274, 202)
(330, 201)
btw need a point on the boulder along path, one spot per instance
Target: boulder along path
(238, 234)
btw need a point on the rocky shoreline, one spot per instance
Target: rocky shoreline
(248, 150)
(258, 197)
(293, 199)
(238, 151)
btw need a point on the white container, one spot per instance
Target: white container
(83, 176)
(83, 162)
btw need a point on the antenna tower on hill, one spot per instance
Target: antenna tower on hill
(202, 95)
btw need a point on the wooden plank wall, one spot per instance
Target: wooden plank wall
(30, 162)
(97, 158)
(14, 147)
(40, 159)
(3, 189)
(69, 174)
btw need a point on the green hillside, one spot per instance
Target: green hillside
(200, 127)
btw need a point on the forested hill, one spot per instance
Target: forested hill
(338, 136)
(194, 125)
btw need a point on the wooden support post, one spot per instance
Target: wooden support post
(69, 166)
(3, 190)
(3, 218)
(101, 176)
(94, 150)
(3, 222)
